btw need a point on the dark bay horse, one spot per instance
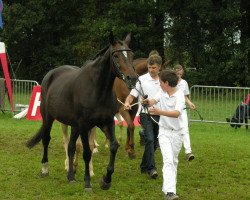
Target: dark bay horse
(83, 98)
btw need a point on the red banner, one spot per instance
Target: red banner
(34, 106)
(6, 73)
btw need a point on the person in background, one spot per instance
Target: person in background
(183, 85)
(141, 131)
(171, 128)
(149, 85)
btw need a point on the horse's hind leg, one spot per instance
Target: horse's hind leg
(78, 149)
(46, 128)
(66, 143)
(110, 134)
(71, 152)
(92, 135)
(92, 141)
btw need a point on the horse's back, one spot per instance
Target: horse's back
(63, 72)
(57, 87)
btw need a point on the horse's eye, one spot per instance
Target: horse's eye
(116, 55)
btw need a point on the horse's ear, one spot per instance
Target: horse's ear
(128, 39)
(111, 37)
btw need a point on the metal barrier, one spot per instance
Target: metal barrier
(21, 91)
(216, 103)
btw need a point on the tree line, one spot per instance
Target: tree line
(210, 38)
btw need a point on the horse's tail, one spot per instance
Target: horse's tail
(35, 139)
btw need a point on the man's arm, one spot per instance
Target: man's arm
(127, 105)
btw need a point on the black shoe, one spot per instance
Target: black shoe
(153, 174)
(171, 196)
(189, 156)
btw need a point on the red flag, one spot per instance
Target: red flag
(6, 73)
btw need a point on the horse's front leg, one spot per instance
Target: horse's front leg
(129, 146)
(120, 125)
(71, 152)
(110, 134)
(87, 157)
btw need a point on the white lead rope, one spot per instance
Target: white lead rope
(136, 104)
(124, 104)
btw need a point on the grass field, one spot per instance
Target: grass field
(221, 169)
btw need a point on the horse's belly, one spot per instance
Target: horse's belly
(61, 111)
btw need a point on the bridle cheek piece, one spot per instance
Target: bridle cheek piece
(117, 67)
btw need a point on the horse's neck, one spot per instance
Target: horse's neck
(105, 75)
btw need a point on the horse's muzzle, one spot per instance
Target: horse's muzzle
(131, 81)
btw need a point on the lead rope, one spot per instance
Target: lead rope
(145, 96)
(124, 104)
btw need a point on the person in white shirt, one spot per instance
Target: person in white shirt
(149, 85)
(171, 128)
(183, 85)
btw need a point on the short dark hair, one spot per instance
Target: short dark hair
(169, 76)
(154, 59)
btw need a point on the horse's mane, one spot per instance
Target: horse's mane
(101, 52)
(87, 62)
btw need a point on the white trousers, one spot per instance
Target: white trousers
(186, 136)
(170, 144)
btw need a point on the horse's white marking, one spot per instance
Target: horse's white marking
(45, 168)
(125, 53)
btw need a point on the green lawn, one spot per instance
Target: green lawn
(220, 169)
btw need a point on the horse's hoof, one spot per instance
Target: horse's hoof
(72, 181)
(88, 189)
(131, 153)
(104, 185)
(42, 175)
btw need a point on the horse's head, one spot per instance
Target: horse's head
(122, 58)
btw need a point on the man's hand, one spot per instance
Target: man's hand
(191, 106)
(127, 106)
